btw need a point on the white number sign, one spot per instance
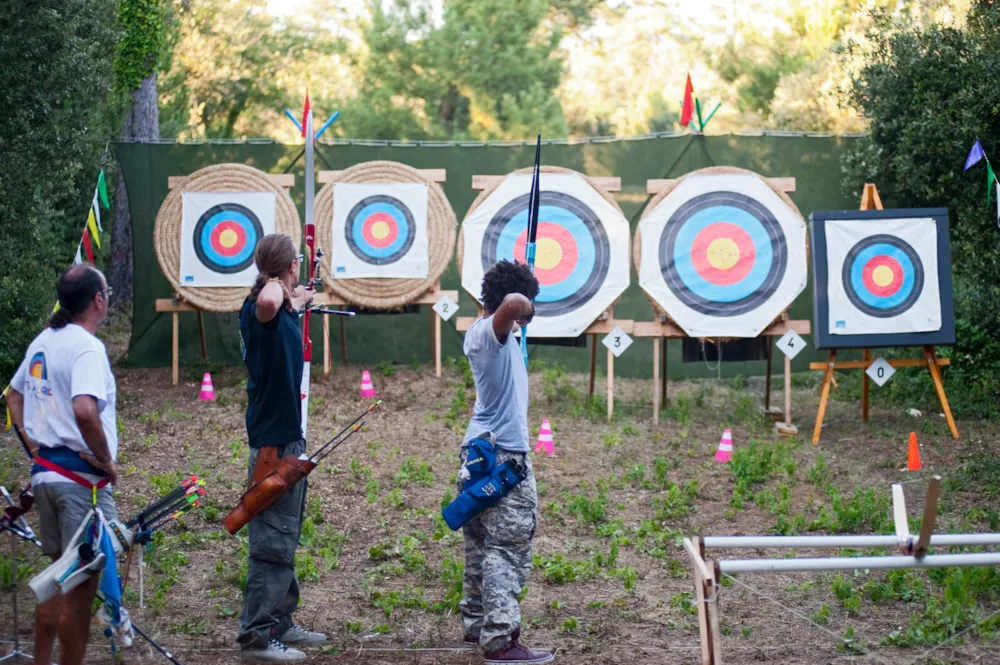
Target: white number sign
(791, 343)
(446, 307)
(880, 371)
(617, 341)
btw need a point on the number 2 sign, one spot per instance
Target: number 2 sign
(446, 307)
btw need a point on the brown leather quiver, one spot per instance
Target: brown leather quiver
(272, 477)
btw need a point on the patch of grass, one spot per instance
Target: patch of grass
(587, 510)
(416, 471)
(458, 410)
(557, 569)
(755, 464)
(822, 615)
(611, 439)
(385, 368)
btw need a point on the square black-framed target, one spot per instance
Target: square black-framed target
(881, 278)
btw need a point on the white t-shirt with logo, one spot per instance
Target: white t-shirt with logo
(62, 364)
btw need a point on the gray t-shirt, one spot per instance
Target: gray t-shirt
(501, 387)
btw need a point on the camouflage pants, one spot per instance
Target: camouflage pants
(498, 560)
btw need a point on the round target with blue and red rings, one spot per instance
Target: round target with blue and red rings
(883, 276)
(379, 229)
(225, 237)
(572, 251)
(723, 254)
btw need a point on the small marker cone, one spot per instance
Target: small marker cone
(367, 389)
(207, 393)
(544, 443)
(725, 451)
(913, 457)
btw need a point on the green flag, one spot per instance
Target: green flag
(102, 190)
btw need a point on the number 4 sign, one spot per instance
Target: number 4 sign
(446, 307)
(617, 341)
(880, 371)
(791, 343)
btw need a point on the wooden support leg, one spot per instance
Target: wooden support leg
(326, 346)
(714, 624)
(767, 376)
(430, 336)
(663, 373)
(593, 363)
(174, 348)
(437, 344)
(939, 387)
(788, 391)
(611, 384)
(702, 592)
(656, 380)
(201, 334)
(866, 355)
(824, 395)
(343, 342)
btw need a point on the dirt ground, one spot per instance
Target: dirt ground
(611, 583)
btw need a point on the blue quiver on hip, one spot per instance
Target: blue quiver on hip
(487, 484)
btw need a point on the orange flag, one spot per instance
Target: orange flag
(687, 111)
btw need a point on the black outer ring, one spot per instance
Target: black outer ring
(702, 305)
(352, 219)
(918, 276)
(602, 261)
(199, 227)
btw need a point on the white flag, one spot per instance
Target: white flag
(79, 258)
(97, 212)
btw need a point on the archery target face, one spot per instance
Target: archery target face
(219, 233)
(883, 276)
(581, 248)
(723, 255)
(380, 230)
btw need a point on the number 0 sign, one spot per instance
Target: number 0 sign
(880, 371)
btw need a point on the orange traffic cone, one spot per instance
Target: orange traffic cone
(913, 457)
(367, 389)
(207, 391)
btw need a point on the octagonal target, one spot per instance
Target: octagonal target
(581, 248)
(219, 233)
(722, 254)
(384, 228)
(572, 251)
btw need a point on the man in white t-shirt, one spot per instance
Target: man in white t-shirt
(63, 397)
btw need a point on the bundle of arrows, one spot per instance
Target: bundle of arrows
(182, 499)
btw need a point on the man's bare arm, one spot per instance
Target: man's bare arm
(269, 301)
(15, 402)
(88, 419)
(514, 308)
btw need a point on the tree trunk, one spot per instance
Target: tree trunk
(141, 121)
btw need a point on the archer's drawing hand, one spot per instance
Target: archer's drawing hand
(107, 467)
(302, 297)
(525, 320)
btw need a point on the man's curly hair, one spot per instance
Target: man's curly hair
(507, 277)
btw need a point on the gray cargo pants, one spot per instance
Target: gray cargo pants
(272, 590)
(498, 560)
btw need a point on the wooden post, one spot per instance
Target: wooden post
(932, 365)
(930, 515)
(430, 336)
(866, 355)
(788, 392)
(343, 342)
(326, 346)
(175, 348)
(437, 344)
(701, 590)
(611, 384)
(656, 380)
(899, 519)
(831, 357)
(714, 624)
(201, 334)
(767, 377)
(663, 373)
(593, 363)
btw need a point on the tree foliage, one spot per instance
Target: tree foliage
(54, 88)
(927, 94)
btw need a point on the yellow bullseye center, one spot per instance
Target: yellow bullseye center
(723, 253)
(380, 230)
(882, 275)
(548, 253)
(228, 238)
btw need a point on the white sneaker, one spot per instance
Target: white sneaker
(300, 635)
(276, 652)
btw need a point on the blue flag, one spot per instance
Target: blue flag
(975, 155)
(110, 586)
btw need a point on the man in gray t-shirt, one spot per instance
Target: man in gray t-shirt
(498, 540)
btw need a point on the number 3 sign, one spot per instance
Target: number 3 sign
(617, 341)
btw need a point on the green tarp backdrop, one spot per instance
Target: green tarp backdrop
(813, 161)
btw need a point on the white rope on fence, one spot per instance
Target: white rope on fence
(762, 542)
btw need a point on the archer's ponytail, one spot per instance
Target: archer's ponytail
(60, 318)
(274, 255)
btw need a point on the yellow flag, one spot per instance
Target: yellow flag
(6, 427)
(92, 225)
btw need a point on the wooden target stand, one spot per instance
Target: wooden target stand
(177, 304)
(430, 297)
(870, 200)
(664, 329)
(604, 324)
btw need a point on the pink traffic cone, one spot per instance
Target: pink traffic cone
(725, 451)
(544, 443)
(207, 391)
(367, 389)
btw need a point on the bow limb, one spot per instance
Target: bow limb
(310, 238)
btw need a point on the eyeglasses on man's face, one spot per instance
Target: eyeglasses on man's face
(107, 292)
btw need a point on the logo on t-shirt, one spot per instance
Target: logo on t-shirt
(38, 371)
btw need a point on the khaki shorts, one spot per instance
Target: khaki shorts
(61, 509)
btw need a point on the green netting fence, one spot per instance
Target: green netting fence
(403, 338)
